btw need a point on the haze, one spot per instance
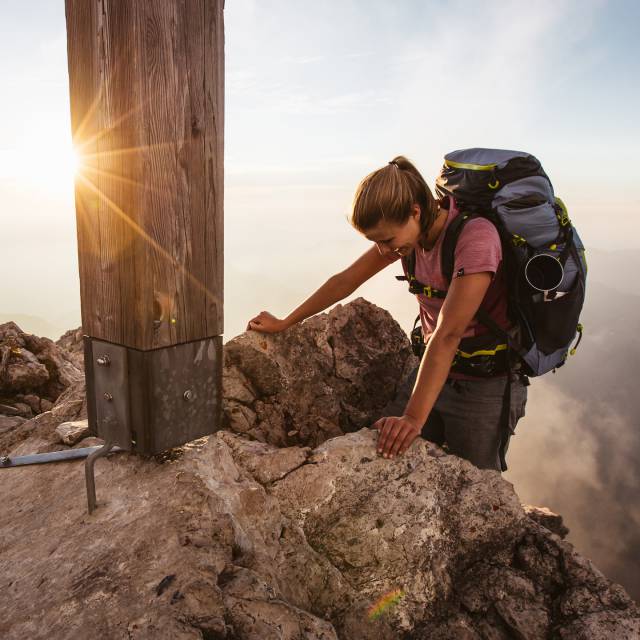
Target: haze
(320, 94)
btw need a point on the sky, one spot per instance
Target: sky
(319, 94)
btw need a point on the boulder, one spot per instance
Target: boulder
(548, 519)
(333, 374)
(230, 538)
(23, 409)
(290, 526)
(71, 433)
(62, 370)
(33, 402)
(69, 407)
(33, 368)
(8, 410)
(20, 369)
(71, 343)
(7, 423)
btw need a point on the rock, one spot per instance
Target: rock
(548, 519)
(603, 625)
(33, 366)
(91, 441)
(334, 373)
(61, 368)
(237, 538)
(33, 401)
(71, 433)
(70, 406)
(8, 410)
(262, 461)
(23, 409)
(248, 537)
(72, 344)
(22, 370)
(45, 405)
(9, 422)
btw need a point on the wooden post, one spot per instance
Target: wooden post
(147, 104)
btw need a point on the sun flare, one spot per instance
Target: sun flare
(48, 165)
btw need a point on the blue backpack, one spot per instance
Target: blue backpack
(543, 257)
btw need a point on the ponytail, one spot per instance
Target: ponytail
(389, 194)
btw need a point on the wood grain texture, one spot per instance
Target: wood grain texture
(146, 82)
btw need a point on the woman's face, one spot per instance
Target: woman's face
(396, 239)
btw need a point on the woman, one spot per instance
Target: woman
(394, 208)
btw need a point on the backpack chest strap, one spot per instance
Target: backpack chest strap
(417, 288)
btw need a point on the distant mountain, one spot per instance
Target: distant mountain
(34, 324)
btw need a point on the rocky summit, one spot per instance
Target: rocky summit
(285, 524)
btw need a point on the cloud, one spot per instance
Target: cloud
(578, 447)
(482, 75)
(302, 59)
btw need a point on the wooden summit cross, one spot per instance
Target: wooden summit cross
(147, 104)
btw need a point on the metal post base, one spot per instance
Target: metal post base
(88, 472)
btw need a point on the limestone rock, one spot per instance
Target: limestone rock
(24, 410)
(22, 370)
(548, 519)
(33, 401)
(9, 422)
(297, 529)
(62, 371)
(72, 344)
(72, 403)
(262, 461)
(71, 433)
(33, 368)
(8, 410)
(70, 406)
(333, 374)
(241, 539)
(90, 441)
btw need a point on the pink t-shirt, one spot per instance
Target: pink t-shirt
(478, 250)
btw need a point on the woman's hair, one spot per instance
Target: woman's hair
(389, 194)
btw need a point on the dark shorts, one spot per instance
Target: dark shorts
(467, 418)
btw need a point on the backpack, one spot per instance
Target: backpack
(543, 258)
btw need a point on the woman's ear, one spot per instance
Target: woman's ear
(416, 212)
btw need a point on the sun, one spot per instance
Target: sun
(47, 165)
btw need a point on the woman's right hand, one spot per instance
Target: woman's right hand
(336, 288)
(266, 323)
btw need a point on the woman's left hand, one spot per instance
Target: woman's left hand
(396, 434)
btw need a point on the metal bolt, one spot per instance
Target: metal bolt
(107, 396)
(104, 361)
(188, 395)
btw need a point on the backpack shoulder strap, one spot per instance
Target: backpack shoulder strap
(450, 241)
(409, 264)
(448, 259)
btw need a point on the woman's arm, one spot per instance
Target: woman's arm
(460, 306)
(336, 288)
